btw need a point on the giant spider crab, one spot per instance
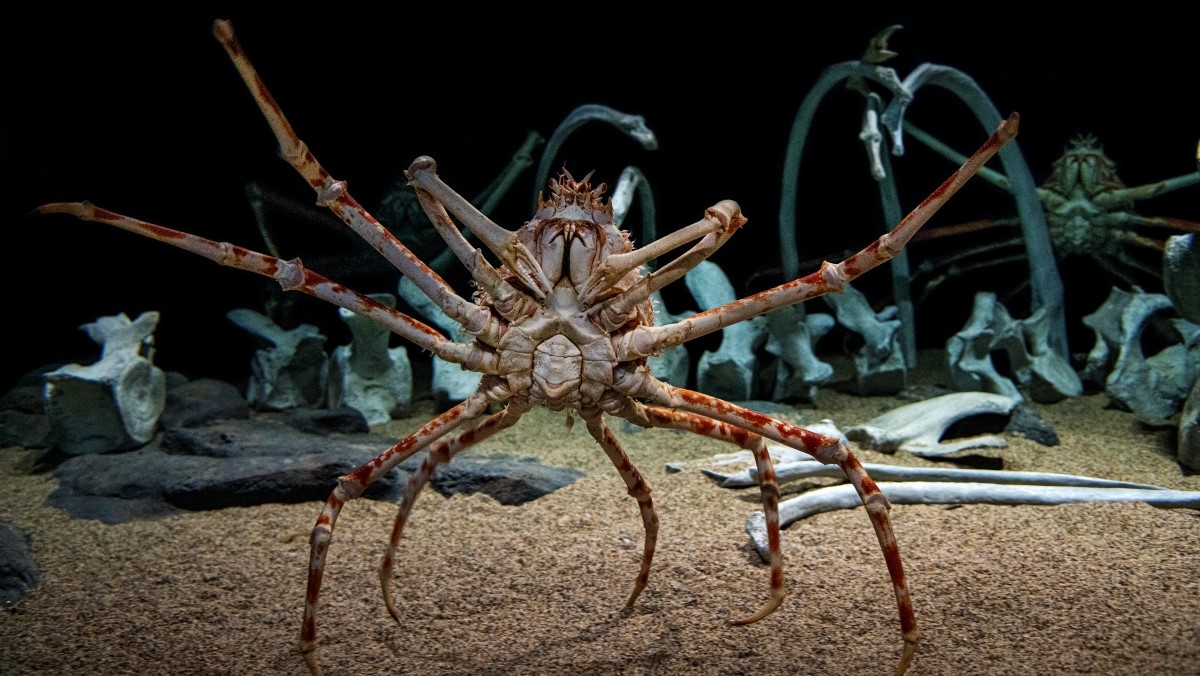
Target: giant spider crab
(564, 322)
(1089, 214)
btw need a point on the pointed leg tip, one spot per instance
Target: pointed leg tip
(77, 209)
(910, 650)
(634, 597)
(767, 608)
(309, 650)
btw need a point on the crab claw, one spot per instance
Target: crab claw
(422, 175)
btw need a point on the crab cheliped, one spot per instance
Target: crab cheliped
(564, 321)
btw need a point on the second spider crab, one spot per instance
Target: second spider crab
(564, 321)
(1089, 214)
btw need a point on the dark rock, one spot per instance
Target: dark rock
(510, 481)
(328, 420)
(18, 573)
(200, 401)
(266, 434)
(150, 482)
(24, 397)
(262, 460)
(31, 430)
(1029, 425)
(214, 452)
(27, 393)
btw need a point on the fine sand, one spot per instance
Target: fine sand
(539, 588)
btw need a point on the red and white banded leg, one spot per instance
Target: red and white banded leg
(654, 416)
(291, 276)
(638, 489)
(351, 486)
(440, 453)
(827, 450)
(645, 341)
(333, 195)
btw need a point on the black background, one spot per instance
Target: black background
(143, 114)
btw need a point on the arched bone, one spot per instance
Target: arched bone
(918, 428)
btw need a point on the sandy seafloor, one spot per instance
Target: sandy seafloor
(539, 588)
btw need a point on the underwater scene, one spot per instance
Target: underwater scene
(713, 345)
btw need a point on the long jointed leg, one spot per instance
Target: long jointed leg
(825, 449)
(653, 416)
(831, 278)
(333, 195)
(351, 486)
(292, 276)
(439, 453)
(638, 488)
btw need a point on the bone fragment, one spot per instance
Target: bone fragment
(793, 471)
(1151, 386)
(290, 369)
(367, 375)
(939, 493)
(113, 404)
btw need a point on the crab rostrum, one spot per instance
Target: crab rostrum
(565, 321)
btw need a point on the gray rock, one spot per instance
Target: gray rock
(153, 482)
(267, 435)
(31, 430)
(509, 481)
(201, 401)
(18, 573)
(262, 460)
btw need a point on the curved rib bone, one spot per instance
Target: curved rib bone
(631, 125)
